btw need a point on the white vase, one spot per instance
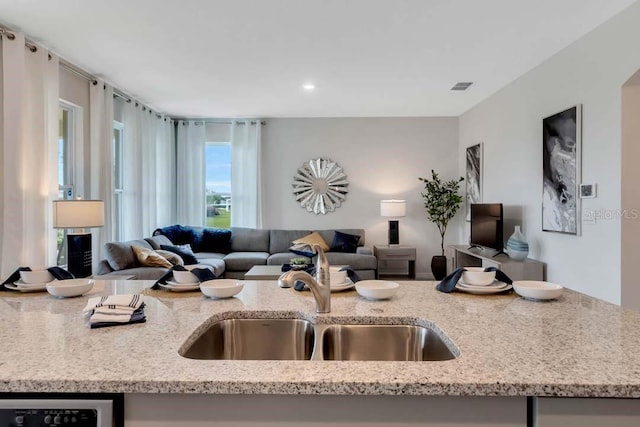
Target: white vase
(517, 246)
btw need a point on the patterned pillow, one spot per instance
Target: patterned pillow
(173, 258)
(184, 251)
(311, 239)
(149, 258)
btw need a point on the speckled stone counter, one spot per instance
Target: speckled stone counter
(508, 346)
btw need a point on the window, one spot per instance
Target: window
(118, 176)
(218, 184)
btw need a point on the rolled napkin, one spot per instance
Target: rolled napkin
(14, 277)
(448, 284)
(203, 274)
(114, 310)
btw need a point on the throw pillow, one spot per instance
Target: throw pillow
(311, 239)
(179, 234)
(173, 258)
(216, 240)
(149, 258)
(303, 249)
(186, 254)
(343, 242)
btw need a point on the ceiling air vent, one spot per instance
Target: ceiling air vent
(462, 86)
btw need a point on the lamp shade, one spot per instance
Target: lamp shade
(78, 213)
(393, 208)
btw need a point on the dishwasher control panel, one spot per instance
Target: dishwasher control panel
(48, 417)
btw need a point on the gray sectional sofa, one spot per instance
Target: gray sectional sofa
(248, 247)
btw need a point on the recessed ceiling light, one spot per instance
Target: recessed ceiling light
(308, 87)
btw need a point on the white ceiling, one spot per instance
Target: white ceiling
(249, 58)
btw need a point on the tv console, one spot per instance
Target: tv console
(463, 256)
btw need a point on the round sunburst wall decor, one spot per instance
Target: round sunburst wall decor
(320, 186)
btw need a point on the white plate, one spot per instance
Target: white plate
(19, 283)
(343, 286)
(178, 284)
(482, 290)
(38, 288)
(494, 285)
(537, 290)
(181, 288)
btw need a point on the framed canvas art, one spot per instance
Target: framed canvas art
(561, 155)
(473, 177)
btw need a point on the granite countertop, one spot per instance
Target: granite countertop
(508, 346)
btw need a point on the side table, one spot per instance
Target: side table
(397, 253)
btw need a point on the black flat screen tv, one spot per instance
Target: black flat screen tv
(486, 225)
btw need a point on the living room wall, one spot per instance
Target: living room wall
(382, 158)
(590, 72)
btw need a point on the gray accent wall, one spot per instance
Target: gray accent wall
(382, 158)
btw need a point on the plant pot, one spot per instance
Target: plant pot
(439, 267)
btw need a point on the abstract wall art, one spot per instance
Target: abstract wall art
(473, 177)
(561, 155)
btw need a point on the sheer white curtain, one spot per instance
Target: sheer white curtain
(246, 201)
(28, 158)
(102, 173)
(146, 137)
(191, 195)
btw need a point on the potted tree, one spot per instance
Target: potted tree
(442, 201)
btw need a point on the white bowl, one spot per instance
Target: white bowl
(377, 289)
(477, 276)
(221, 288)
(185, 277)
(537, 290)
(336, 276)
(36, 276)
(70, 287)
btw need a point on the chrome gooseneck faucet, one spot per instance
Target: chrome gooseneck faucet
(320, 286)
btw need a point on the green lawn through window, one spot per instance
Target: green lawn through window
(220, 221)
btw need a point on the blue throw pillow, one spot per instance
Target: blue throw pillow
(343, 242)
(187, 255)
(216, 240)
(180, 235)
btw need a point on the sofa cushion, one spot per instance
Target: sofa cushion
(343, 242)
(119, 255)
(282, 258)
(215, 240)
(280, 240)
(249, 240)
(216, 265)
(156, 241)
(187, 256)
(150, 258)
(141, 273)
(355, 261)
(243, 261)
(313, 238)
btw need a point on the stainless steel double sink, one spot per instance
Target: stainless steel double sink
(299, 339)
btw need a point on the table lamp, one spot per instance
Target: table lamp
(78, 214)
(393, 209)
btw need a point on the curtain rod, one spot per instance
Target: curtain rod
(70, 67)
(214, 122)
